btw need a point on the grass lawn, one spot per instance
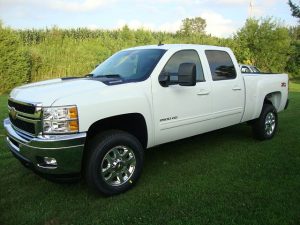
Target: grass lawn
(295, 85)
(223, 177)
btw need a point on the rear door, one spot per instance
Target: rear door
(228, 94)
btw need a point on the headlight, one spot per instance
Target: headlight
(59, 120)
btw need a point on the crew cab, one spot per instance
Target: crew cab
(98, 126)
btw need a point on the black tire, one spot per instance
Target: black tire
(265, 126)
(105, 151)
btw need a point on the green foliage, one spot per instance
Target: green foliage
(38, 54)
(264, 43)
(14, 61)
(295, 9)
(193, 26)
(293, 65)
(60, 52)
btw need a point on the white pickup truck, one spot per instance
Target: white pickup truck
(98, 126)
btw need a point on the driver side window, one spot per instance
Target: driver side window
(183, 56)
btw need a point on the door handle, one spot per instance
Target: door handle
(236, 88)
(203, 92)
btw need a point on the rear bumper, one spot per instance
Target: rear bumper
(67, 150)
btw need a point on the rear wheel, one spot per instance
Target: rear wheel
(114, 163)
(265, 126)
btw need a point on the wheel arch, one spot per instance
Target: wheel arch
(133, 123)
(274, 99)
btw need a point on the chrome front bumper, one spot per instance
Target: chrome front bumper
(67, 150)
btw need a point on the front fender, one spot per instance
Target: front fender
(113, 101)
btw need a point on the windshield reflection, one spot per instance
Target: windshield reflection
(130, 65)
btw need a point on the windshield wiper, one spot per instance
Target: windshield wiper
(70, 78)
(109, 75)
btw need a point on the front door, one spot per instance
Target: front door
(181, 111)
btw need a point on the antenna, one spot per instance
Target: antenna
(251, 9)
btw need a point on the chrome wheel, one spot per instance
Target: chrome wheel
(118, 165)
(270, 123)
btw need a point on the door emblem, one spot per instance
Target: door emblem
(168, 119)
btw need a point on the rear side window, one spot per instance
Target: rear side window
(221, 65)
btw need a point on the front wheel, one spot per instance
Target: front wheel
(265, 126)
(114, 163)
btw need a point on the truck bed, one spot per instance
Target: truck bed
(258, 85)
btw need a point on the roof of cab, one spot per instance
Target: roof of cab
(179, 46)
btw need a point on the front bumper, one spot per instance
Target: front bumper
(66, 149)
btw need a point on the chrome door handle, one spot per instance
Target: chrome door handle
(203, 92)
(236, 88)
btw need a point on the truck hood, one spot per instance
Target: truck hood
(47, 92)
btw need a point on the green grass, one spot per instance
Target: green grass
(295, 85)
(223, 177)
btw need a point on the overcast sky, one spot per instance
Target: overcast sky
(223, 17)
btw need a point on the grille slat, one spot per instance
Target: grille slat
(29, 109)
(23, 125)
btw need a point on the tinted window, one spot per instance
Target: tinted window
(184, 56)
(221, 65)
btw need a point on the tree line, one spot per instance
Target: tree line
(37, 54)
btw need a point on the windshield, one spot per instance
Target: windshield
(130, 65)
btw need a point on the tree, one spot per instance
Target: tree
(293, 65)
(14, 61)
(264, 43)
(295, 9)
(192, 26)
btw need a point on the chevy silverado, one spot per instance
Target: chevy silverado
(98, 126)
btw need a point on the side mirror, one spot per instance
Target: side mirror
(187, 74)
(164, 80)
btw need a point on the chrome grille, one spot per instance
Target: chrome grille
(25, 108)
(23, 125)
(25, 117)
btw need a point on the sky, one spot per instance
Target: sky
(223, 17)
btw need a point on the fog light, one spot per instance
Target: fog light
(50, 161)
